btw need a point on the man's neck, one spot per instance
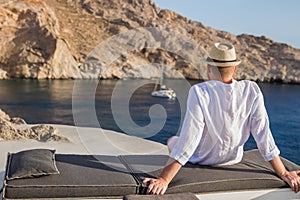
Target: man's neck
(227, 81)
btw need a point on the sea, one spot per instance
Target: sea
(127, 106)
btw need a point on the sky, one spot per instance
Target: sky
(278, 20)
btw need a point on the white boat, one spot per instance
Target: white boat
(163, 92)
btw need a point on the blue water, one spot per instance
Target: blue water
(50, 101)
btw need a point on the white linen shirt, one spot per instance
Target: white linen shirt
(218, 122)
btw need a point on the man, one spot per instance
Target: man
(220, 115)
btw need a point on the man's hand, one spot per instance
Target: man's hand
(293, 179)
(160, 185)
(156, 186)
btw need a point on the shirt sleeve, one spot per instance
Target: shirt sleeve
(191, 131)
(260, 129)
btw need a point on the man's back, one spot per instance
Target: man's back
(225, 114)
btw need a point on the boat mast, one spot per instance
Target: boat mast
(161, 78)
(155, 87)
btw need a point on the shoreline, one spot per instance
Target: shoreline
(272, 81)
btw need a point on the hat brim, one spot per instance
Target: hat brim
(223, 64)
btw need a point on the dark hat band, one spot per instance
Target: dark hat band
(220, 61)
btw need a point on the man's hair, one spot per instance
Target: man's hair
(224, 71)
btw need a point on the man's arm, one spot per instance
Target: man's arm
(160, 185)
(261, 132)
(292, 178)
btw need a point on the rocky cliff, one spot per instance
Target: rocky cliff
(61, 39)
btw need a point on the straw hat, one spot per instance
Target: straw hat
(222, 55)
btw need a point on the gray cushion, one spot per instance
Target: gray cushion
(80, 176)
(252, 173)
(31, 163)
(94, 176)
(178, 196)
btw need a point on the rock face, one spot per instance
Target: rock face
(61, 39)
(42, 133)
(31, 44)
